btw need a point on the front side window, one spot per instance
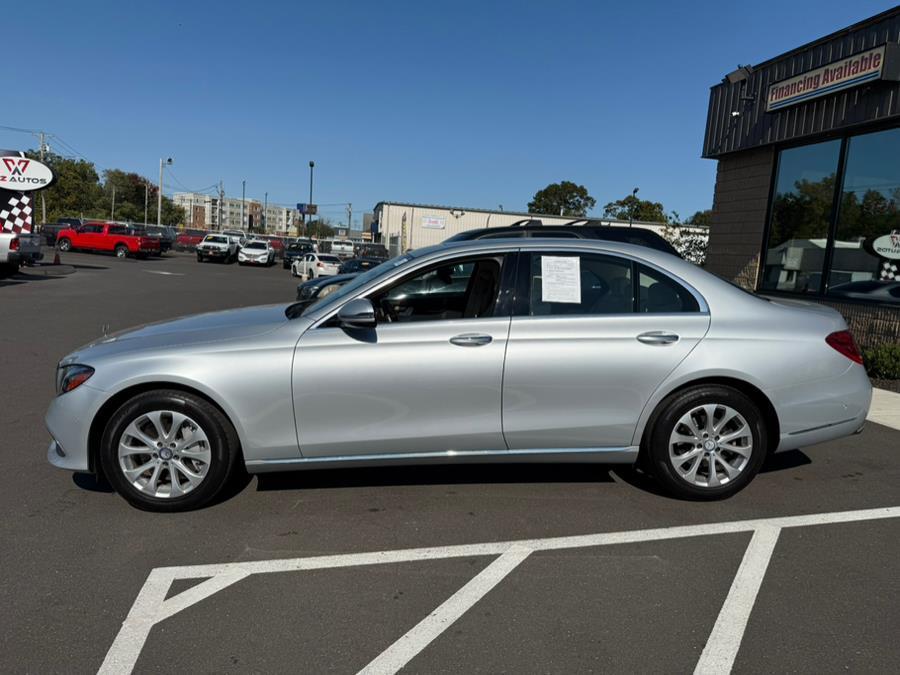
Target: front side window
(458, 290)
(579, 283)
(867, 234)
(801, 216)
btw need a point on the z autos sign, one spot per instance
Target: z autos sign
(880, 63)
(21, 174)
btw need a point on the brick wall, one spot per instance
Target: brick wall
(739, 215)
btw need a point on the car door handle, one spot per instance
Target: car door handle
(471, 339)
(657, 337)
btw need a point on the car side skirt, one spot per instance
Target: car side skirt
(626, 455)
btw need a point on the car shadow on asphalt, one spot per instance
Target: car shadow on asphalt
(462, 474)
(24, 278)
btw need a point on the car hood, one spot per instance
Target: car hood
(199, 328)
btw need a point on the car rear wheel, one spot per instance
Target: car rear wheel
(121, 251)
(707, 442)
(168, 450)
(64, 244)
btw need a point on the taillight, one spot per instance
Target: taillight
(14, 244)
(843, 342)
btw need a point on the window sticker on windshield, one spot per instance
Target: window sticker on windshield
(561, 279)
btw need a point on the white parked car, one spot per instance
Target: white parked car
(257, 252)
(315, 265)
(217, 246)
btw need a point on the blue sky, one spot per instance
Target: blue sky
(460, 103)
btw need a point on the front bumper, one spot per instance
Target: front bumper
(68, 420)
(212, 252)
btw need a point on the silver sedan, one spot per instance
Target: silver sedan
(488, 351)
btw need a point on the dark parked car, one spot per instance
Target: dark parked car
(296, 249)
(165, 235)
(367, 250)
(358, 265)
(50, 231)
(577, 229)
(868, 289)
(315, 289)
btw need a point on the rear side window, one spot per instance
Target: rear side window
(580, 284)
(659, 294)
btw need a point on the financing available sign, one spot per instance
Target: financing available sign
(852, 71)
(22, 174)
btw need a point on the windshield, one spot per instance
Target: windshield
(293, 311)
(256, 244)
(217, 240)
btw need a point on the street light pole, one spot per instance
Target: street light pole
(631, 210)
(265, 217)
(312, 165)
(168, 162)
(146, 198)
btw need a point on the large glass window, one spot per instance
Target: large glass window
(801, 217)
(864, 249)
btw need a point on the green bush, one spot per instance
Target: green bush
(883, 362)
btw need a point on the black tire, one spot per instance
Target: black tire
(199, 258)
(224, 449)
(8, 269)
(64, 244)
(655, 450)
(121, 251)
(285, 265)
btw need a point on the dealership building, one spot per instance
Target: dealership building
(402, 226)
(807, 196)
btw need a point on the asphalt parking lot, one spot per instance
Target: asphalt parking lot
(493, 583)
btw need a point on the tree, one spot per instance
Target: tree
(320, 228)
(632, 208)
(564, 198)
(76, 192)
(700, 218)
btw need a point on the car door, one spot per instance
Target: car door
(427, 379)
(592, 336)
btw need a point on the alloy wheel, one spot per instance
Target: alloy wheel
(710, 445)
(164, 454)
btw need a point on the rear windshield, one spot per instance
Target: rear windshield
(329, 258)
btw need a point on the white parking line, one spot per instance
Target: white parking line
(422, 634)
(151, 607)
(725, 640)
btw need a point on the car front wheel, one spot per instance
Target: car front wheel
(168, 450)
(64, 244)
(707, 442)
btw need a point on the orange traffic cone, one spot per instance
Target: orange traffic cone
(56, 258)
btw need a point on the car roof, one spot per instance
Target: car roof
(596, 229)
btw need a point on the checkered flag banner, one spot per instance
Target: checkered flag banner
(890, 271)
(15, 215)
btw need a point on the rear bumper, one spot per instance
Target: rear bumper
(823, 410)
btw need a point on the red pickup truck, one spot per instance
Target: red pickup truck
(109, 237)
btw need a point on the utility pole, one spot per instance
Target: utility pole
(349, 218)
(112, 214)
(146, 198)
(243, 198)
(221, 200)
(265, 218)
(312, 165)
(43, 199)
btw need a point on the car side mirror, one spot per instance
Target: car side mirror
(357, 313)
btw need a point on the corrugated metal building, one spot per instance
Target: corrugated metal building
(807, 196)
(403, 226)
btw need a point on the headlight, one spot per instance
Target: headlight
(328, 290)
(71, 377)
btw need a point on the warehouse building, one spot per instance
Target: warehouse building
(403, 226)
(807, 196)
